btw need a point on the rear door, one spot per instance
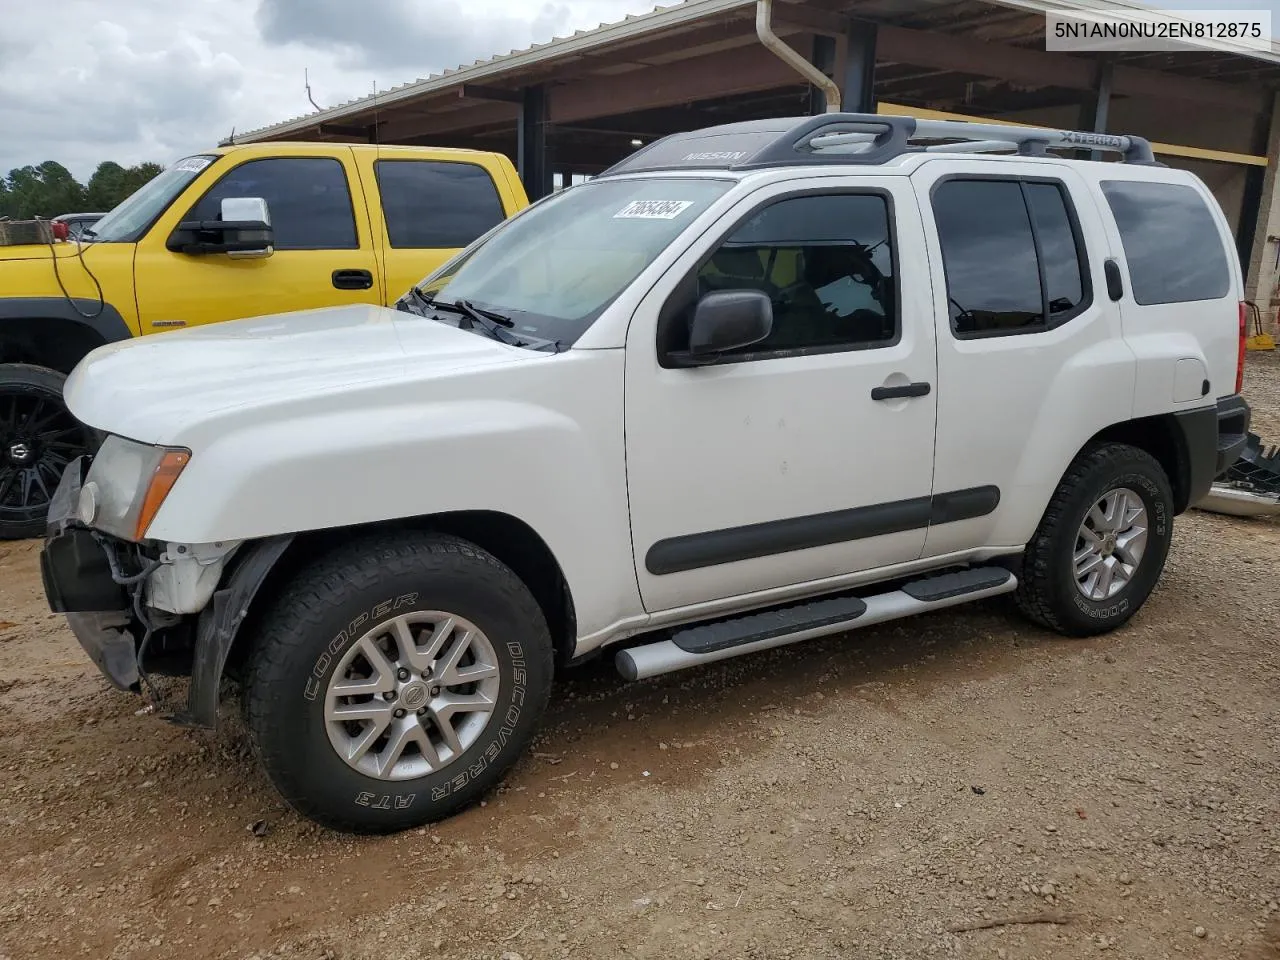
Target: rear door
(427, 209)
(323, 255)
(1032, 361)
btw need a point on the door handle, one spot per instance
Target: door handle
(1115, 283)
(919, 389)
(352, 279)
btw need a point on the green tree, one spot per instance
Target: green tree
(60, 191)
(106, 186)
(49, 189)
(137, 176)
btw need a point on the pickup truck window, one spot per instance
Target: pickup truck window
(1012, 255)
(436, 205)
(307, 197)
(554, 268)
(133, 217)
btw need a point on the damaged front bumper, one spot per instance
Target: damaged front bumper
(191, 607)
(75, 568)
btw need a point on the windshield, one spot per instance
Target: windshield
(555, 268)
(133, 215)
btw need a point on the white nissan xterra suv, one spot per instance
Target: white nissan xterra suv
(754, 384)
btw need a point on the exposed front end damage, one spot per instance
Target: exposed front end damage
(146, 608)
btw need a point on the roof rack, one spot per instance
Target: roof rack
(860, 138)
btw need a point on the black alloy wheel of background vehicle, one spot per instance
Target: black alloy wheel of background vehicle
(38, 438)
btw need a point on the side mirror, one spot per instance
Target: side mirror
(726, 320)
(243, 232)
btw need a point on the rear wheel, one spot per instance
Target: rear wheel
(396, 681)
(1102, 543)
(38, 438)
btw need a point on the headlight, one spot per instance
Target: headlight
(127, 484)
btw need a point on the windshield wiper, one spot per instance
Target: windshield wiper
(471, 316)
(472, 312)
(494, 324)
(414, 293)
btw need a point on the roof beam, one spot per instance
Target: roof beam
(344, 130)
(745, 70)
(639, 51)
(476, 91)
(1039, 68)
(468, 118)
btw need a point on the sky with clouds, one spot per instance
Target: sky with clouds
(83, 81)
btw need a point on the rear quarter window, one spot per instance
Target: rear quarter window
(436, 205)
(1171, 242)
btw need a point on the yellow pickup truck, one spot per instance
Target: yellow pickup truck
(239, 231)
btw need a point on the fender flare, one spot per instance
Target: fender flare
(219, 623)
(106, 322)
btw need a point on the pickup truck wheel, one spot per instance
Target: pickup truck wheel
(38, 438)
(1102, 543)
(396, 680)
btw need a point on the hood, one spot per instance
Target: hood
(36, 251)
(152, 387)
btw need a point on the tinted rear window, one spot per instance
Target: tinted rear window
(1171, 242)
(430, 204)
(989, 255)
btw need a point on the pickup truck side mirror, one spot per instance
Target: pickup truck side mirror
(725, 320)
(243, 232)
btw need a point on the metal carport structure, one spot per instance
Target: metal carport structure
(576, 104)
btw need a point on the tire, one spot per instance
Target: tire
(1049, 591)
(330, 613)
(38, 438)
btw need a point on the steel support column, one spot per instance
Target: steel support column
(1260, 216)
(858, 86)
(533, 159)
(1094, 111)
(824, 58)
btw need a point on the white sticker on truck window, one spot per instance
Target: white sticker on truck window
(653, 210)
(192, 164)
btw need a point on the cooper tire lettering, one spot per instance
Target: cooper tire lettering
(312, 626)
(1047, 589)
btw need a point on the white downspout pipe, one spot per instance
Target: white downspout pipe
(785, 52)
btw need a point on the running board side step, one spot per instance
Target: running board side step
(720, 640)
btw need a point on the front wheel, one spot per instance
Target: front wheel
(396, 681)
(1102, 543)
(38, 438)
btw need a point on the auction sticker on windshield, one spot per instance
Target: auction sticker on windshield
(653, 210)
(192, 164)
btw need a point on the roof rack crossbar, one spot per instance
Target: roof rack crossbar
(1134, 149)
(972, 146)
(862, 138)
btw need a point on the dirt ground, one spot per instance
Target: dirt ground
(861, 797)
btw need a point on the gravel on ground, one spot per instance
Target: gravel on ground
(961, 785)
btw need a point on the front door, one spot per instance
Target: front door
(324, 252)
(785, 462)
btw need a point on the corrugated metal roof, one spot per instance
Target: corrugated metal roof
(580, 40)
(637, 25)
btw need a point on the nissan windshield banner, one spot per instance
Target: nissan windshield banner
(1124, 29)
